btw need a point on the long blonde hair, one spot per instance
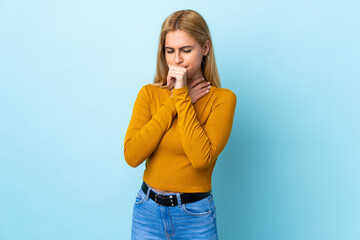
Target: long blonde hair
(194, 24)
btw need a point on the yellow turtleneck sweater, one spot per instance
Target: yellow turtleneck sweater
(179, 141)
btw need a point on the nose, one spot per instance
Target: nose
(178, 58)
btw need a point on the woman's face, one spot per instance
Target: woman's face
(181, 49)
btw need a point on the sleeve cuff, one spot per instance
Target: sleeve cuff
(180, 91)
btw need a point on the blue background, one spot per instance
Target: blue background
(70, 72)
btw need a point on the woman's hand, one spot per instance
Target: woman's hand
(177, 76)
(198, 88)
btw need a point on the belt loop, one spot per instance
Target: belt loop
(178, 199)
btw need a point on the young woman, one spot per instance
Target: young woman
(179, 125)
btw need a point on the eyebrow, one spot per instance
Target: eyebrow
(188, 46)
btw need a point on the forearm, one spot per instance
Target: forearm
(202, 145)
(141, 141)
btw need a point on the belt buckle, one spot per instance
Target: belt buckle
(164, 198)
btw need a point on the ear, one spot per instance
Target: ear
(206, 47)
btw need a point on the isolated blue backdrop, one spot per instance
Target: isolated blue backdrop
(70, 72)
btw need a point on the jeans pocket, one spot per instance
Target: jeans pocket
(200, 207)
(140, 197)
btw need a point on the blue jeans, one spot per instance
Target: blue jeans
(194, 220)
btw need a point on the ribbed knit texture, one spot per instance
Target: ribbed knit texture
(179, 141)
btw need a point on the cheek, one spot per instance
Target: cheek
(167, 59)
(195, 61)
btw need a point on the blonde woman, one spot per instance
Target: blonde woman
(179, 125)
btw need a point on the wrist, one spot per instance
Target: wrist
(180, 84)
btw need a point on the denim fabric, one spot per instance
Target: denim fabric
(196, 220)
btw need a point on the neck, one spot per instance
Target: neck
(196, 76)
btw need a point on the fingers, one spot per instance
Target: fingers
(168, 80)
(197, 93)
(177, 75)
(174, 77)
(177, 67)
(171, 86)
(202, 84)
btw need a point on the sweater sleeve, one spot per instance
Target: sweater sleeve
(145, 131)
(203, 145)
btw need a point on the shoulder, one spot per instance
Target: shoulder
(224, 95)
(148, 89)
(151, 93)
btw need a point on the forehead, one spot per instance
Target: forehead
(178, 38)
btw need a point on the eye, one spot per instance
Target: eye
(187, 51)
(169, 51)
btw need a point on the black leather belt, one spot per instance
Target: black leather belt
(171, 200)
